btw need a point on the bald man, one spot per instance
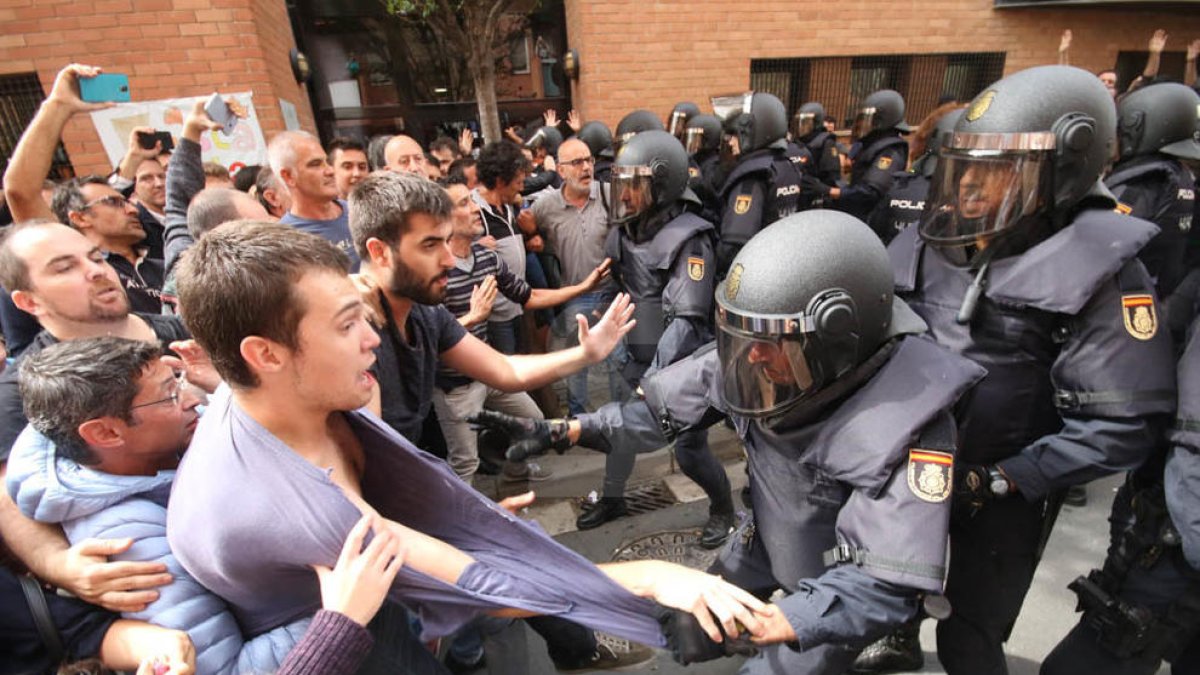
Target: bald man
(404, 155)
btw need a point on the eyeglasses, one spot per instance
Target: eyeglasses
(180, 379)
(115, 201)
(579, 162)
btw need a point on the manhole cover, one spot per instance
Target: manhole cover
(677, 546)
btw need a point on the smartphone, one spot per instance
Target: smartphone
(219, 112)
(147, 141)
(105, 87)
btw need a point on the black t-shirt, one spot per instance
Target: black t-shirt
(80, 625)
(406, 370)
(12, 414)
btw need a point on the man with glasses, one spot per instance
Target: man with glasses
(111, 222)
(404, 155)
(574, 222)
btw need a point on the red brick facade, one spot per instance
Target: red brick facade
(638, 54)
(169, 49)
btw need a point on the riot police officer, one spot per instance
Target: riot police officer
(635, 123)
(844, 411)
(1155, 127)
(702, 140)
(808, 127)
(599, 140)
(881, 150)
(681, 114)
(763, 183)
(1021, 264)
(904, 202)
(544, 142)
(662, 256)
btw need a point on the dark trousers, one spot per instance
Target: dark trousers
(397, 649)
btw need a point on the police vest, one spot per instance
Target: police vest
(1158, 189)
(643, 271)
(826, 165)
(865, 159)
(1029, 313)
(780, 176)
(902, 206)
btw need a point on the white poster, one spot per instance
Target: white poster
(245, 146)
(291, 121)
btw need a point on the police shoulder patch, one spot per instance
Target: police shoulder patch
(930, 474)
(741, 205)
(1140, 316)
(884, 163)
(695, 267)
(1123, 208)
(693, 172)
(733, 282)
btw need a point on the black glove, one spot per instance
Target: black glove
(973, 484)
(690, 644)
(813, 185)
(527, 436)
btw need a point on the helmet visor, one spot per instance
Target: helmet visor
(864, 122)
(803, 124)
(731, 104)
(694, 140)
(632, 192)
(976, 195)
(761, 374)
(677, 124)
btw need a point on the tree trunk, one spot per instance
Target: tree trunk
(483, 74)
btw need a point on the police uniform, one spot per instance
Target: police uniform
(850, 508)
(871, 173)
(1159, 189)
(764, 187)
(827, 161)
(902, 206)
(1079, 378)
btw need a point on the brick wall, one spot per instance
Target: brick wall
(169, 48)
(638, 54)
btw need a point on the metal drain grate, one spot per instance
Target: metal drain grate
(647, 497)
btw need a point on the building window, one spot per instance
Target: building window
(20, 96)
(518, 54)
(841, 82)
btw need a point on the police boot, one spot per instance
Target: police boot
(716, 530)
(595, 515)
(895, 653)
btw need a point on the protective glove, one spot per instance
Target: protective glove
(690, 644)
(528, 436)
(813, 186)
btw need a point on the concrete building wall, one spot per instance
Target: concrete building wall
(640, 54)
(169, 48)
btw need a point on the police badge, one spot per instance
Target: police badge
(695, 268)
(1141, 319)
(929, 474)
(733, 282)
(884, 163)
(742, 204)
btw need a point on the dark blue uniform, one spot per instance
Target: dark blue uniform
(851, 501)
(1159, 189)
(902, 206)
(761, 189)
(1080, 381)
(671, 280)
(871, 173)
(827, 161)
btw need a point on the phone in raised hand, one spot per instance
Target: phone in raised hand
(219, 111)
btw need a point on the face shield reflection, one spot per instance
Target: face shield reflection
(761, 375)
(632, 192)
(976, 196)
(803, 124)
(678, 124)
(727, 105)
(694, 140)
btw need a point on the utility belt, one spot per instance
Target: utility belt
(1128, 629)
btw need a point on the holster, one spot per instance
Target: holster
(1124, 629)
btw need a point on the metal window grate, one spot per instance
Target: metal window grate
(20, 96)
(840, 82)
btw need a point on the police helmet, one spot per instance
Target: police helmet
(881, 111)
(757, 119)
(927, 163)
(808, 120)
(545, 137)
(680, 115)
(1160, 118)
(635, 123)
(649, 174)
(1026, 151)
(703, 134)
(597, 137)
(806, 300)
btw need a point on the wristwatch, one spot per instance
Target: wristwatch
(998, 482)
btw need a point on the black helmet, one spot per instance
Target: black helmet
(680, 114)
(597, 137)
(1023, 155)
(881, 111)
(545, 137)
(757, 119)
(635, 123)
(703, 133)
(650, 173)
(790, 325)
(809, 119)
(1160, 118)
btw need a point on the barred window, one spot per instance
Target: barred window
(20, 96)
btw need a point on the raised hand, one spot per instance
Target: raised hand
(601, 339)
(65, 91)
(574, 121)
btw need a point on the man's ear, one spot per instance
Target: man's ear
(27, 302)
(380, 253)
(76, 220)
(102, 433)
(288, 176)
(263, 355)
